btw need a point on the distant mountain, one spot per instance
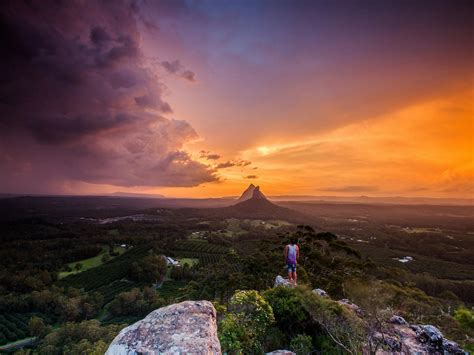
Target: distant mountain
(257, 206)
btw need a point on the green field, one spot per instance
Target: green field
(188, 261)
(91, 262)
(172, 289)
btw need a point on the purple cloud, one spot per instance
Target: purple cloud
(175, 67)
(77, 102)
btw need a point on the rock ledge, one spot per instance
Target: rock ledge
(182, 328)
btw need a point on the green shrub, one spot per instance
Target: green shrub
(244, 327)
(288, 309)
(301, 344)
(465, 317)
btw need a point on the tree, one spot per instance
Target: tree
(78, 266)
(87, 337)
(136, 302)
(37, 327)
(151, 268)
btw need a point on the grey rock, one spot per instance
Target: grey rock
(430, 335)
(393, 343)
(320, 292)
(452, 347)
(184, 328)
(398, 320)
(352, 306)
(280, 281)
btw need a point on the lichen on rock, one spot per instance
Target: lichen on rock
(182, 328)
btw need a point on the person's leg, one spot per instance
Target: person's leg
(294, 277)
(291, 273)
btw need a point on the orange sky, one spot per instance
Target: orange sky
(200, 99)
(425, 149)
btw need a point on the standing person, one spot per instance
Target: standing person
(292, 253)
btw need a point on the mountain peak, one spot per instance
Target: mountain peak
(247, 194)
(257, 194)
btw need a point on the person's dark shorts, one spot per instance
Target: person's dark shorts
(291, 267)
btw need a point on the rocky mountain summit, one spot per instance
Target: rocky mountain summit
(184, 328)
(247, 194)
(400, 337)
(190, 327)
(252, 192)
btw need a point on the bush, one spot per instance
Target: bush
(465, 317)
(243, 328)
(301, 344)
(290, 315)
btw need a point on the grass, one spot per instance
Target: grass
(90, 262)
(171, 289)
(188, 261)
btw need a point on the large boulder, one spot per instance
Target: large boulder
(184, 328)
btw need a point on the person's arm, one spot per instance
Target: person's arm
(297, 252)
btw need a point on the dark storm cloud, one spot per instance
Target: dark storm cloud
(208, 155)
(78, 102)
(231, 163)
(175, 67)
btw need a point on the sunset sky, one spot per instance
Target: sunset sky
(202, 98)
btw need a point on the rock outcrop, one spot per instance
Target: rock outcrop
(403, 338)
(418, 339)
(281, 281)
(184, 328)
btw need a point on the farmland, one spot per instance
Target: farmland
(90, 263)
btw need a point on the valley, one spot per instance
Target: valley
(103, 260)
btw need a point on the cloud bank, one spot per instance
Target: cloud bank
(78, 101)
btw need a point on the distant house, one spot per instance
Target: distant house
(171, 261)
(404, 260)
